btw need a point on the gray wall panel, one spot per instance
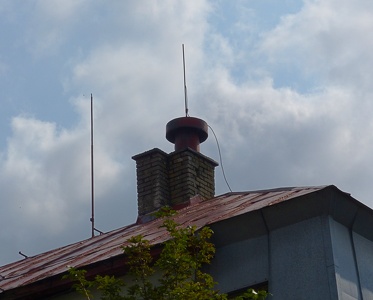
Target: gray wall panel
(298, 262)
(345, 266)
(240, 264)
(364, 257)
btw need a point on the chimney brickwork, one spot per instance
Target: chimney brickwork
(172, 179)
(190, 174)
(152, 180)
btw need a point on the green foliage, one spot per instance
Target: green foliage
(252, 294)
(82, 285)
(179, 265)
(139, 262)
(110, 287)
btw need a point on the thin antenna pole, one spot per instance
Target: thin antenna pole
(185, 87)
(92, 177)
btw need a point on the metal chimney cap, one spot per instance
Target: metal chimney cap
(186, 132)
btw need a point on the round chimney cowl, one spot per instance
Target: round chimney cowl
(186, 132)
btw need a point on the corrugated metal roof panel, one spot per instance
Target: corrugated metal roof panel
(108, 245)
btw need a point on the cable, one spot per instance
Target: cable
(221, 160)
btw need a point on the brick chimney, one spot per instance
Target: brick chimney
(173, 179)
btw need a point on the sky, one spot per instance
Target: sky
(285, 85)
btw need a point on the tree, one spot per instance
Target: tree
(179, 264)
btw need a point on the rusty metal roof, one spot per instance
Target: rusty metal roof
(108, 245)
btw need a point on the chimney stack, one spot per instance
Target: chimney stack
(173, 179)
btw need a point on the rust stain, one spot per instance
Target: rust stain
(105, 246)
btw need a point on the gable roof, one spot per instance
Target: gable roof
(106, 247)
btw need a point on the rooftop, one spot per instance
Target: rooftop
(107, 247)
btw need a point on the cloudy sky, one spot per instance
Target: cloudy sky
(286, 86)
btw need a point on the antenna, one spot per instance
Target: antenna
(185, 87)
(92, 177)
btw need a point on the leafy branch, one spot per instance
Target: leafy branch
(179, 266)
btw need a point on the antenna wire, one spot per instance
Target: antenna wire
(220, 158)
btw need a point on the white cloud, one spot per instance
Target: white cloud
(128, 54)
(326, 39)
(280, 136)
(276, 137)
(50, 23)
(61, 11)
(45, 169)
(30, 162)
(45, 180)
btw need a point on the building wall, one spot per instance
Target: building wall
(353, 260)
(298, 261)
(364, 258)
(344, 260)
(293, 259)
(318, 258)
(241, 264)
